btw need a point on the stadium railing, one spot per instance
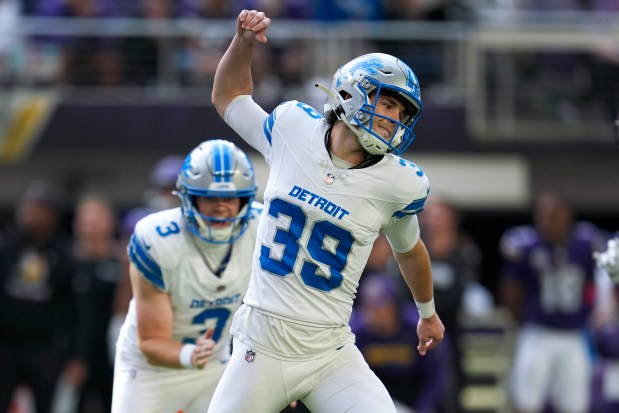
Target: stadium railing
(541, 77)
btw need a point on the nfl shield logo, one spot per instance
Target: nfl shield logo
(329, 178)
(250, 356)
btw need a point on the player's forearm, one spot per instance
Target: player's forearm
(233, 74)
(416, 271)
(161, 352)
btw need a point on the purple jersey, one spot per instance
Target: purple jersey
(419, 382)
(558, 279)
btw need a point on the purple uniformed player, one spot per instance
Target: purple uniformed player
(548, 284)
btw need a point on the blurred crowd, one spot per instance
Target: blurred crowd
(64, 293)
(143, 61)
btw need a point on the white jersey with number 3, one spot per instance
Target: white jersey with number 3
(318, 227)
(172, 259)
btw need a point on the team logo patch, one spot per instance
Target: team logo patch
(329, 178)
(250, 355)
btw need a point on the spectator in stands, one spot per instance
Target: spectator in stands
(548, 285)
(95, 246)
(160, 193)
(43, 321)
(210, 9)
(381, 258)
(418, 9)
(456, 263)
(426, 57)
(281, 9)
(381, 261)
(604, 66)
(333, 10)
(143, 56)
(87, 60)
(544, 74)
(384, 324)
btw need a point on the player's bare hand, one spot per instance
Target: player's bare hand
(430, 332)
(203, 349)
(252, 25)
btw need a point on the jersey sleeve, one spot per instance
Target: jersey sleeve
(403, 233)
(140, 254)
(250, 121)
(418, 202)
(402, 230)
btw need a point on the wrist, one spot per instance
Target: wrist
(427, 309)
(185, 356)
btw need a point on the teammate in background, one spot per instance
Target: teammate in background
(159, 196)
(335, 183)
(190, 267)
(549, 285)
(384, 324)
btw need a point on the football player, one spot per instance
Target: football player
(335, 183)
(548, 284)
(190, 267)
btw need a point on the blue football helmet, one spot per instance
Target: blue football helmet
(219, 169)
(349, 98)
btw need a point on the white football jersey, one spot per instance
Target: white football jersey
(175, 261)
(319, 222)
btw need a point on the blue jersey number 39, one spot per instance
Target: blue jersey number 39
(323, 233)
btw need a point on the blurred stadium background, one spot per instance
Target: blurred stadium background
(519, 96)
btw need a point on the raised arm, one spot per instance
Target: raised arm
(233, 75)
(416, 270)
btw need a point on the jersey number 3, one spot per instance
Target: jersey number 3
(328, 244)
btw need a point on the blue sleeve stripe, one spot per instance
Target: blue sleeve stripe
(269, 122)
(139, 256)
(412, 209)
(400, 214)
